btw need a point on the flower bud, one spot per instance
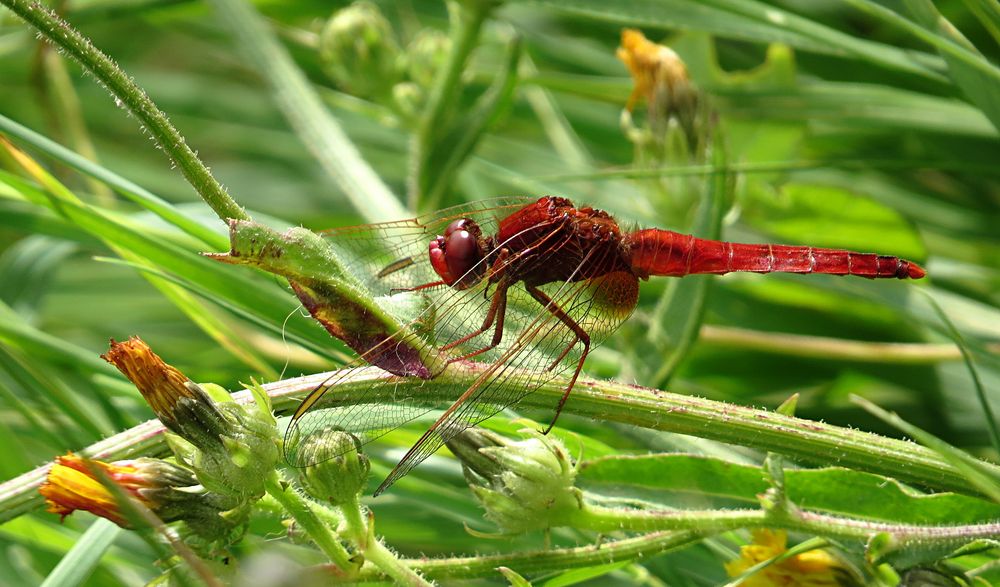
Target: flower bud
(230, 448)
(408, 99)
(340, 470)
(525, 485)
(426, 56)
(359, 52)
(661, 79)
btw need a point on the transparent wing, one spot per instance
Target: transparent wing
(391, 256)
(386, 258)
(535, 346)
(542, 347)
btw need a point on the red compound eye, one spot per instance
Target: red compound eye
(457, 253)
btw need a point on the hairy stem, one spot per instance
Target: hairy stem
(131, 97)
(295, 504)
(805, 440)
(362, 533)
(542, 561)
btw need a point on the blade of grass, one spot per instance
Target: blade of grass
(988, 14)
(753, 21)
(135, 193)
(131, 97)
(984, 403)
(303, 108)
(260, 299)
(977, 77)
(982, 89)
(68, 114)
(78, 564)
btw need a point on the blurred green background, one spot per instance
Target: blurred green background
(851, 130)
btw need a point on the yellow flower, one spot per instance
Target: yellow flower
(659, 74)
(73, 484)
(815, 568)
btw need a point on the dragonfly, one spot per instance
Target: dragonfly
(527, 287)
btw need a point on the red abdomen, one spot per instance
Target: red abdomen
(664, 252)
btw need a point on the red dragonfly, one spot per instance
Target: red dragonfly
(527, 287)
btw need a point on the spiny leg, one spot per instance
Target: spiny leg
(496, 313)
(431, 285)
(580, 335)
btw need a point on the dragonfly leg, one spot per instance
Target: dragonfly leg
(494, 317)
(424, 286)
(580, 335)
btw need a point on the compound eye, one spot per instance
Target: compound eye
(462, 252)
(455, 226)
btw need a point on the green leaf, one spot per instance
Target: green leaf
(585, 574)
(833, 489)
(984, 479)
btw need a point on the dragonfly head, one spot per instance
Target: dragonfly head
(457, 255)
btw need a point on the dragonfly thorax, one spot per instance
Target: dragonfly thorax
(457, 255)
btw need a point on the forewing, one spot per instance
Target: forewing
(536, 353)
(387, 258)
(391, 256)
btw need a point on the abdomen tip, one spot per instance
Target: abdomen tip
(914, 271)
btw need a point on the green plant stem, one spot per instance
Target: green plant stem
(354, 519)
(468, 21)
(313, 123)
(300, 509)
(826, 348)
(984, 402)
(363, 535)
(806, 440)
(608, 519)
(131, 97)
(542, 561)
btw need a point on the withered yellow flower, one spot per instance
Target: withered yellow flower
(815, 568)
(160, 384)
(658, 72)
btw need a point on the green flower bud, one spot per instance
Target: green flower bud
(358, 50)
(426, 55)
(525, 485)
(408, 98)
(238, 461)
(340, 470)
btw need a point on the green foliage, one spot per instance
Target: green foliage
(858, 125)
